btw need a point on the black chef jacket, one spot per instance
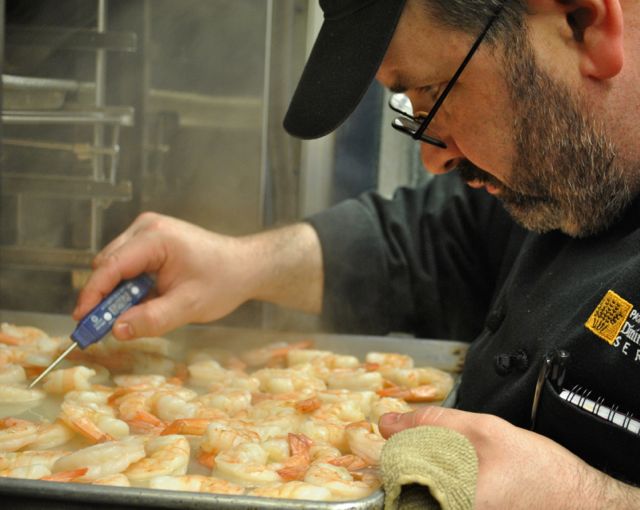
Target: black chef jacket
(447, 261)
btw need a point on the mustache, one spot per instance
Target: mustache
(508, 196)
(469, 172)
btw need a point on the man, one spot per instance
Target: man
(540, 121)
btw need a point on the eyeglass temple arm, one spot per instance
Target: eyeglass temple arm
(427, 120)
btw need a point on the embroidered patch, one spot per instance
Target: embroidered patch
(607, 319)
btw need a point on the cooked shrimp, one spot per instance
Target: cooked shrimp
(67, 379)
(325, 431)
(147, 363)
(16, 434)
(96, 423)
(345, 412)
(34, 472)
(248, 464)
(148, 344)
(364, 399)
(195, 483)
(340, 481)
(205, 372)
(220, 437)
(14, 398)
(97, 396)
(116, 480)
(388, 405)
(276, 426)
(357, 379)
(228, 359)
(274, 380)
(323, 452)
(12, 374)
(298, 462)
(293, 490)
(328, 359)
(423, 384)
(231, 401)
(350, 461)
(238, 380)
(277, 448)
(308, 405)
(140, 381)
(137, 408)
(187, 426)
(365, 442)
(10, 460)
(11, 334)
(169, 406)
(267, 405)
(388, 360)
(116, 361)
(103, 376)
(165, 455)
(103, 459)
(51, 435)
(66, 476)
(33, 358)
(273, 354)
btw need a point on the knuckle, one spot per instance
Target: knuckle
(154, 318)
(145, 216)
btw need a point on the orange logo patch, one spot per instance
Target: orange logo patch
(607, 319)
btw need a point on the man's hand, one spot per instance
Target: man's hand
(519, 469)
(202, 276)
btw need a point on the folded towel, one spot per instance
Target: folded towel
(429, 468)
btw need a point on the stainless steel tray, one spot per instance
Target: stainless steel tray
(30, 494)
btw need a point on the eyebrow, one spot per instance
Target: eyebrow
(401, 87)
(398, 87)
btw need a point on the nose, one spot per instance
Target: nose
(436, 160)
(440, 161)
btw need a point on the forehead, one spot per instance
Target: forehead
(422, 51)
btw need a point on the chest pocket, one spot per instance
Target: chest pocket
(605, 445)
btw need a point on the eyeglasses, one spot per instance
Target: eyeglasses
(416, 127)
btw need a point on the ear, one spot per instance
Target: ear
(597, 27)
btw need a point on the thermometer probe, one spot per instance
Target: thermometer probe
(98, 322)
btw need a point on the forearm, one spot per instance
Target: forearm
(618, 496)
(579, 486)
(286, 267)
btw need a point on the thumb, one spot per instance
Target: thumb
(392, 423)
(153, 317)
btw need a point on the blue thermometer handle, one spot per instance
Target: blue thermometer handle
(98, 322)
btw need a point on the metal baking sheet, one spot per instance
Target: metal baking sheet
(34, 494)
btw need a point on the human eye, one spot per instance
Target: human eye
(432, 91)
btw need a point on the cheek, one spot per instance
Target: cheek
(485, 138)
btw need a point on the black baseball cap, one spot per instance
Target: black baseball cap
(344, 60)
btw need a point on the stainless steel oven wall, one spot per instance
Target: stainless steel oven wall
(113, 107)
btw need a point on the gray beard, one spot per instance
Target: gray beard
(566, 174)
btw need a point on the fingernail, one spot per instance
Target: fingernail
(123, 331)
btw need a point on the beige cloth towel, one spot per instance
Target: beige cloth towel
(429, 468)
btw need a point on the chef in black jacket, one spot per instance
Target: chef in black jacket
(527, 245)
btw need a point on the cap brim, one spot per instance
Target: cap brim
(342, 64)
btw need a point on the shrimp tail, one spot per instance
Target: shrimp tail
(66, 476)
(349, 461)
(207, 459)
(188, 426)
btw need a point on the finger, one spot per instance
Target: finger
(137, 256)
(137, 226)
(103, 255)
(392, 423)
(153, 317)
